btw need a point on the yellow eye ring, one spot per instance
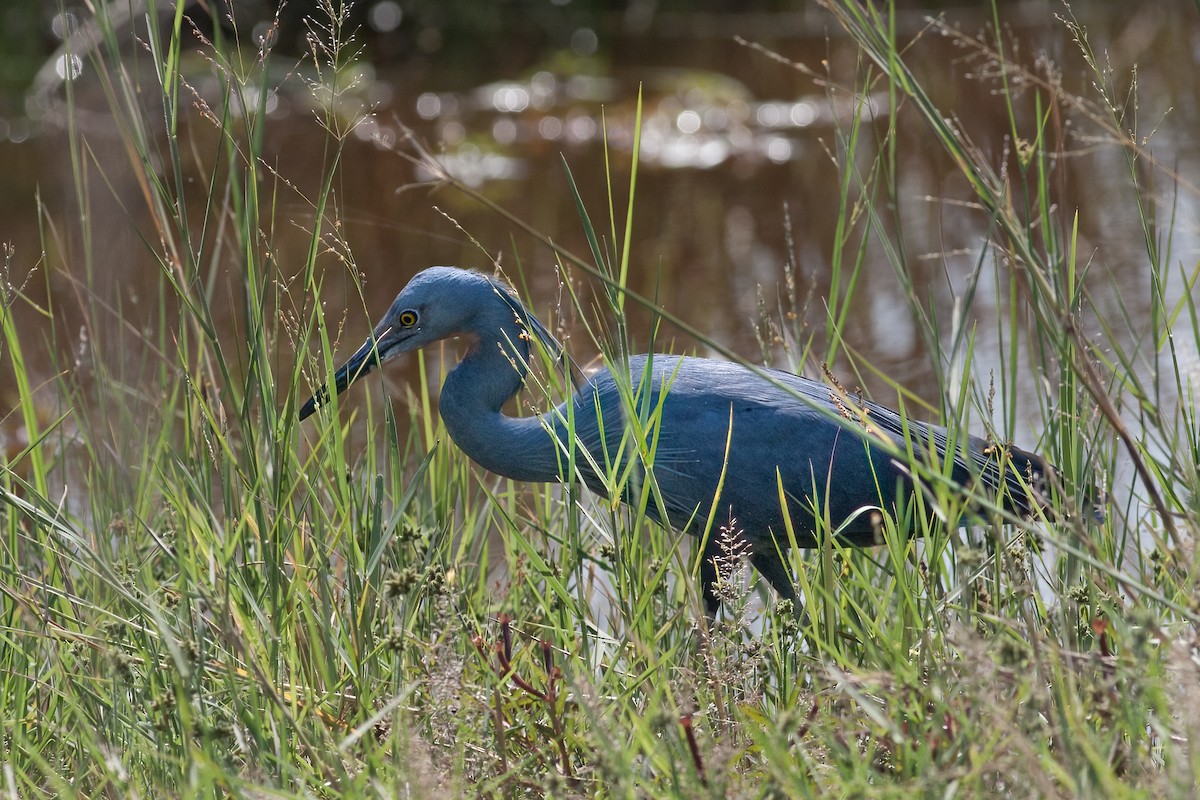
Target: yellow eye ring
(408, 318)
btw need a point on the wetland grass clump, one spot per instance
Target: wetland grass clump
(202, 598)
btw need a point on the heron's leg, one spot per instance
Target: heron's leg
(709, 576)
(770, 565)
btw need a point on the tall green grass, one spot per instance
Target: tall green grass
(201, 597)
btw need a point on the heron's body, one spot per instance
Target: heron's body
(711, 425)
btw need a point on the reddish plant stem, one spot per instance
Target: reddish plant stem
(686, 722)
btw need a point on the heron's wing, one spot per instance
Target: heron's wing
(721, 426)
(1003, 470)
(822, 447)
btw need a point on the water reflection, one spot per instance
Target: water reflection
(692, 120)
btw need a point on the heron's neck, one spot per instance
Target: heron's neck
(475, 390)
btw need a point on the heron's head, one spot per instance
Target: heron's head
(437, 303)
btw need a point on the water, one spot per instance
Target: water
(740, 173)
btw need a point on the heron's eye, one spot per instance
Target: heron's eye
(408, 318)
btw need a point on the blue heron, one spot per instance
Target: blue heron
(729, 440)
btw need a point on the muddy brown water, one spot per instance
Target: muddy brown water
(740, 172)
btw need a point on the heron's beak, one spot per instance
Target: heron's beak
(365, 359)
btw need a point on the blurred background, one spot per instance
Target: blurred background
(745, 108)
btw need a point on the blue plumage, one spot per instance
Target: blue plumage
(716, 424)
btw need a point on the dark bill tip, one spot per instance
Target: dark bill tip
(363, 361)
(310, 405)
